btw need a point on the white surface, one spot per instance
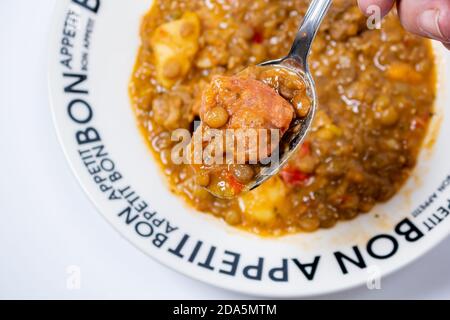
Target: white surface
(49, 224)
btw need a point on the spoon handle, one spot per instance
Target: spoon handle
(308, 30)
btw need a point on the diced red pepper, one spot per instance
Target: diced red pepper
(235, 184)
(294, 176)
(305, 149)
(258, 37)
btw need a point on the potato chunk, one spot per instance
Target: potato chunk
(263, 203)
(174, 45)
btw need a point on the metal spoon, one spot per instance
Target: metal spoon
(296, 61)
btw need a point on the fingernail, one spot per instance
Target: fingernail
(428, 22)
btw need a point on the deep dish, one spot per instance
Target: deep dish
(376, 90)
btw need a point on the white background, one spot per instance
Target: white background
(47, 223)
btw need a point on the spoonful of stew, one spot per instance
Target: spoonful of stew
(252, 122)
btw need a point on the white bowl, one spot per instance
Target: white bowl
(132, 195)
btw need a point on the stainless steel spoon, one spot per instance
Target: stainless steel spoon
(296, 61)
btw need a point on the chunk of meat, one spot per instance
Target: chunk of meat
(174, 45)
(250, 104)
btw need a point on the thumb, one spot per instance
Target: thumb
(428, 18)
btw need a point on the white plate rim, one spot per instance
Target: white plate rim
(59, 7)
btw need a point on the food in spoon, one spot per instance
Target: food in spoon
(248, 113)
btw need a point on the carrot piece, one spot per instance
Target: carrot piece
(294, 176)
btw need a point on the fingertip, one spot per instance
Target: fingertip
(384, 5)
(435, 23)
(427, 18)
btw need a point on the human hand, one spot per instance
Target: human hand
(427, 18)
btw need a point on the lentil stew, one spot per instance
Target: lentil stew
(376, 90)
